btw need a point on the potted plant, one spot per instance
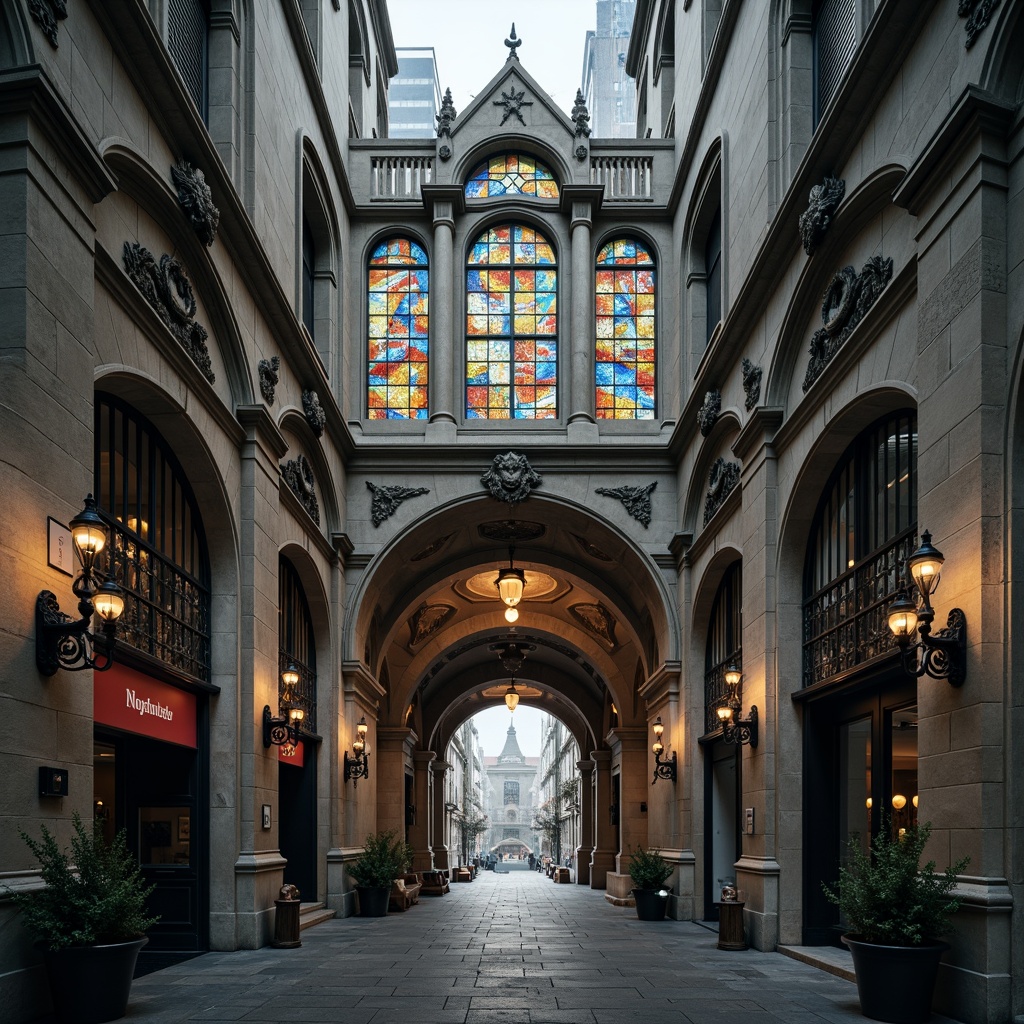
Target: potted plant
(90, 921)
(895, 911)
(648, 873)
(385, 857)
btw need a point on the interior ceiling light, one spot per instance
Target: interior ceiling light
(510, 581)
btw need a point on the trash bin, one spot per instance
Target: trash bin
(286, 920)
(730, 925)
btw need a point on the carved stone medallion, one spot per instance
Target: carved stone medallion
(427, 620)
(47, 13)
(298, 475)
(167, 289)
(386, 500)
(709, 411)
(596, 620)
(269, 377)
(314, 413)
(513, 103)
(196, 200)
(724, 476)
(510, 478)
(637, 500)
(751, 383)
(815, 220)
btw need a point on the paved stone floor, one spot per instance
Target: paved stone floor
(506, 948)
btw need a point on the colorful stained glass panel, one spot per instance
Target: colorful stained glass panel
(511, 174)
(624, 372)
(511, 326)
(398, 328)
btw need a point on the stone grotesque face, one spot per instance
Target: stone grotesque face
(510, 478)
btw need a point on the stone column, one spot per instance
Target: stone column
(443, 202)
(438, 815)
(586, 848)
(419, 830)
(605, 832)
(634, 784)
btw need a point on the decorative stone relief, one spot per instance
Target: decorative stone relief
(596, 620)
(314, 413)
(513, 43)
(298, 475)
(427, 620)
(815, 220)
(196, 200)
(446, 118)
(589, 548)
(47, 13)
(978, 14)
(581, 117)
(724, 476)
(847, 299)
(513, 103)
(510, 478)
(637, 500)
(386, 500)
(709, 411)
(511, 531)
(167, 289)
(432, 549)
(269, 378)
(751, 383)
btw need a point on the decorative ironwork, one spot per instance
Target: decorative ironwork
(724, 476)
(269, 378)
(510, 478)
(303, 693)
(751, 383)
(513, 43)
(978, 14)
(716, 690)
(846, 623)
(709, 411)
(446, 117)
(596, 620)
(847, 299)
(298, 475)
(741, 730)
(167, 289)
(386, 500)
(942, 656)
(46, 14)
(513, 103)
(580, 117)
(64, 642)
(815, 220)
(196, 200)
(637, 500)
(427, 620)
(314, 413)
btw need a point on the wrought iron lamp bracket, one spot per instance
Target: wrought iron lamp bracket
(664, 768)
(63, 642)
(942, 656)
(279, 731)
(356, 767)
(742, 730)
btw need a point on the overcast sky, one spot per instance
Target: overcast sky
(468, 38)
(493, 724)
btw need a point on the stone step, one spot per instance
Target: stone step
(311, 914)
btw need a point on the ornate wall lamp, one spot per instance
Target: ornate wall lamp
(943, 656)
(358, 765)
(664, 768)
(734, 728)
(286, 730)
(510, 584)
(62, 642)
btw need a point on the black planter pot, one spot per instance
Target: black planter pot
(651, 904)
(373, 900)
(895, 983)
(90, 984)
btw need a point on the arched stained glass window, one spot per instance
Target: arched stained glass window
(398, 286)
(624, 358)
(511, 326)
(511, 174)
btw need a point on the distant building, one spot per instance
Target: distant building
(610, 94)
(414, 94)
(512, 784)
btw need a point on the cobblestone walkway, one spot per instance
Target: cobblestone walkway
(506, 948)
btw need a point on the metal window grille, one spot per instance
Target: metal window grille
(187, 43)
(724, 646)
(157, 549)
(297, 642)
(865, 528)
(835, 42)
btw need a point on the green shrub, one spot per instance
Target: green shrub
(647, 869)
(94, 895)
(385, 857)
(886, 898)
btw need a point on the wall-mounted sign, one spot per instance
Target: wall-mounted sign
(748, 821)
(60, 553)
(292, 755)
(266, 816)
(135, 702)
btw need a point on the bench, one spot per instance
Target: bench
(405, 892)
(435, 883)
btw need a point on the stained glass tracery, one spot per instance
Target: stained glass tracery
(511, 325)
(624, 357)
(397, 297)
(509, 174)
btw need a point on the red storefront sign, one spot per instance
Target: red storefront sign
(130, 700)
(292, 755)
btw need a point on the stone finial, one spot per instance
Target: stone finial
(269, 378)
(196, 200)
(581, 117)
(446, 118)
(637, 500)
(513, 43)
(815, 220)
(709, 411)
(386, 500)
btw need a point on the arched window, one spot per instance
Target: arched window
(864, 530)
(511, 792)
(835, 43)
(188, 28)
(398, 287)
(157, 544)
(725, 643)
(624, 359)
(713, 270)
(511, 326)
(296, 641)
(511, 174)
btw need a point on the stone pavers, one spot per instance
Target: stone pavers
(512, 948)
